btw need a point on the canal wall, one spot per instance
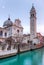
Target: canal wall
(14, 52)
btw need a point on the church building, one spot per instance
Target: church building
(13, 32)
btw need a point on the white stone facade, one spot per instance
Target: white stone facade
(15, 30)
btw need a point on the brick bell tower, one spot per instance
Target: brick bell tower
(32, 23)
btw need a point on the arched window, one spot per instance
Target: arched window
(1, 33)
(28, 41)
(33, 14)
(34, 43)
(5, 34)
(18, 31)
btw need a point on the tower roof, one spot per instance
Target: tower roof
(33, 9)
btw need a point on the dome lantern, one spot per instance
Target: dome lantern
(8, 23)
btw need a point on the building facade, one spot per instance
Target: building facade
(13, 32)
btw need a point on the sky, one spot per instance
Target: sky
(21, 9)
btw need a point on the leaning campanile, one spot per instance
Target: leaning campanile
(32, 23)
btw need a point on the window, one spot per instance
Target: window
(28, 41)
(1, 33)
(32, 15)
(18, 31)
(5, 34)
(34, 43)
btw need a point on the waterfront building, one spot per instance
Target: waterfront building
(12, 32)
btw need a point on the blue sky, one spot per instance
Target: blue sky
(20, 9)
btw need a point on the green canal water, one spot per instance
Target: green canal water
(35, 57)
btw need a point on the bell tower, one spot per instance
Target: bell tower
(32, 23)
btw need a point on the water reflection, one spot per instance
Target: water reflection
(29, 58)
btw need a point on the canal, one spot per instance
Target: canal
(35, 57)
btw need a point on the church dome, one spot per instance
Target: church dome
(8, 23)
